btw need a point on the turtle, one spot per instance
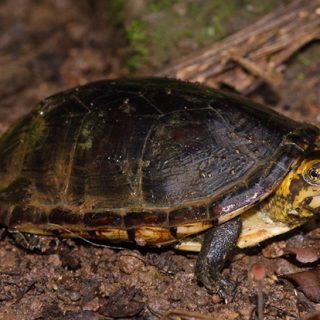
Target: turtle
(159, 161)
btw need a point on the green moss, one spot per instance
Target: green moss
(300, 76)
(30, 129)
(137, 39)
(157, 6)
(308, 58)
(36, 128)
(117, 4)
(135, 31)
(315, 55)
(165, 30)
(117, 11)
(17, 143)
(85, 141)
(305, 61)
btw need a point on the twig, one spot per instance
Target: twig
(254, 53)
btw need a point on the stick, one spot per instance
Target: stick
(255, 53)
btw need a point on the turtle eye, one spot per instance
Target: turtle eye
(313, 174)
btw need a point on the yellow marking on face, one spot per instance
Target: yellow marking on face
(309, 173)
(284, 187)
(315, 203)
(294, 174)
(288, 207)
(293, 198)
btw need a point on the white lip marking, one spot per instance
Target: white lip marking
(293, 212)
(315, 203)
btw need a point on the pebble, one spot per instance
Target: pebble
(54, 260)
(130, 261)
(92, 305)
(75, 296)
(216, 298)
(202, 301)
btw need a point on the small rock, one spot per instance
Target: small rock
(177, 293)
(36, 306)
(9, 262)
(224, 314)
(125, 302)
(92, 305)
(246, 311)
(130, 261)
(75, 296)
(54, 260)
(216, 299)
(86, 315)
(70, 262)
(52, 312)
(283, 266)
(202, 300)
(274, 250)
(158, 305)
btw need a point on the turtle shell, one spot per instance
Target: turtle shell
(151, 160)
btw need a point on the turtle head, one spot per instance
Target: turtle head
(296, 199)
(303, 187)
(298, 196)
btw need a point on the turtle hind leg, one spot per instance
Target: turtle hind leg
(34, 242)
(217, 246)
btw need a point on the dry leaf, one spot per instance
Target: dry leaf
(308, 282)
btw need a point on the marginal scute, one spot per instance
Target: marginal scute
(153, 235)
(21, 215)
(62, 217)
(188, 215)
(155, 218)
(104, 218)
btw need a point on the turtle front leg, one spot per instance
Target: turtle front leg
(217, 246)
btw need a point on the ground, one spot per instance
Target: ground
(49, 46)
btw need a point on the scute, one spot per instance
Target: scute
(158, 153)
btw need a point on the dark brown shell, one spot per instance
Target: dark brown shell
(158, 153)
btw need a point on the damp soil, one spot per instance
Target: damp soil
(49, 46)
